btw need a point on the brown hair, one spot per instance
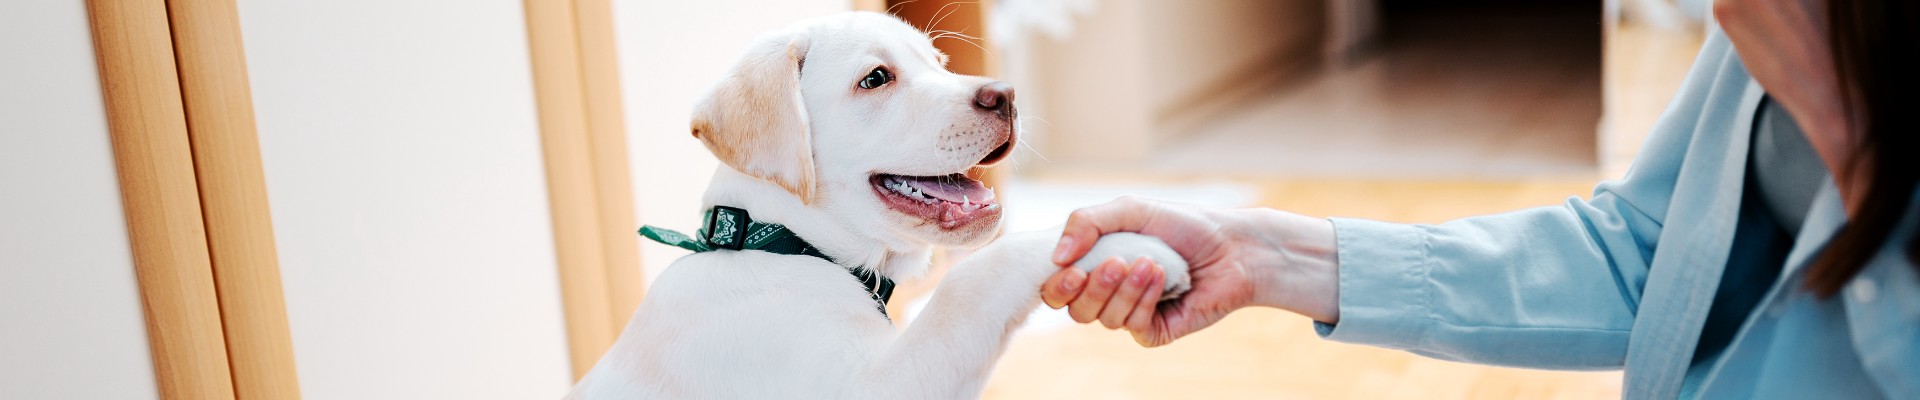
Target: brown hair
(1871, 42)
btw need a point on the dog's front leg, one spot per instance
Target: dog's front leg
(950, 349)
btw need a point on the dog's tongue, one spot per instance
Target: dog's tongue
(955, 188)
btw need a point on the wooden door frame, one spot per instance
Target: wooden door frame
(180, 114)
(233, 197)
(179, 111)
(589, 184)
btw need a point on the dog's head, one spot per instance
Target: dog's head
(856, 115)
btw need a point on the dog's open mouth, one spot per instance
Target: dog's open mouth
(952, 201)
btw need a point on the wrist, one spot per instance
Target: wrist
(1295, 264)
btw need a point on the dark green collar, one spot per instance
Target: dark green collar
(729, 228)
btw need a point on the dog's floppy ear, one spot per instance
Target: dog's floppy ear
(754, 120)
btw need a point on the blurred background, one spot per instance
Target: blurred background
(1405, 111)
(447, 191)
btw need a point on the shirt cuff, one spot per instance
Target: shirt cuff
(1385, 296)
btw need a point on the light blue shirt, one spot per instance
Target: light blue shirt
(1626, 278)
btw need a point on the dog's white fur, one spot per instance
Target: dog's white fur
(800, 143)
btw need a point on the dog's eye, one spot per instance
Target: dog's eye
(874, 79)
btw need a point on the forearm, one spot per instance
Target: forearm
(1292, 259)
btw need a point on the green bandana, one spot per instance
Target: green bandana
(729, 228)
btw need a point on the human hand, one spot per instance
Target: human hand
(1236, 258)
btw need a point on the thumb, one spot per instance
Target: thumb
(1085, 226)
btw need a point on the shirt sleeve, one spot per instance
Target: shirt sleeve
(1551, 287)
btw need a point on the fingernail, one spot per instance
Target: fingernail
(1110, 274)
(1159, 283)
(1060, 252)
(1071, 284)
(1141, 274)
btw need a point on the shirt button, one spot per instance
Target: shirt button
(1862, 290)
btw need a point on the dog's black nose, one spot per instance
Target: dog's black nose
(997, 97)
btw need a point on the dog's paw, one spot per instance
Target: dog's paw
(1130, 246)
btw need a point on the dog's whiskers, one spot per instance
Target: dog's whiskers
(964, 38)
(948, 33)
(1022, 143)
(896, 6)
(939, 18)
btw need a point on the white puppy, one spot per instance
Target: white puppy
(849, 131)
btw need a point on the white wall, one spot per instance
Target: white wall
(1134, 74)
(404, 173)
(70, 316)
(670, 53)
(1095, 85)
(1202, 48)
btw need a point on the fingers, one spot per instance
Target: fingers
(1165, 325)
(1084, 226)
(1128, 296)
(1062, 287)
(1099, 288)
(1142, 317)
(1117, 296)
